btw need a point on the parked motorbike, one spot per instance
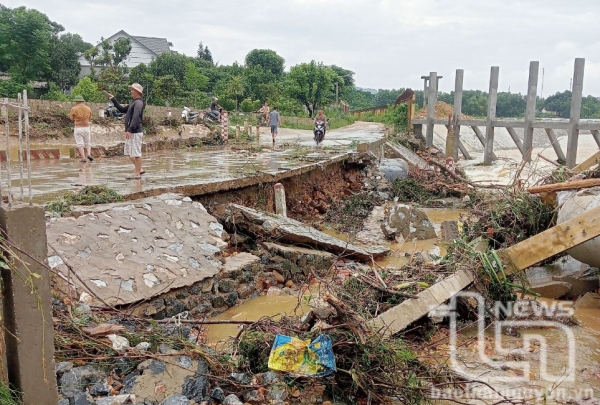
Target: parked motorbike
(319, 131)
(188, 116)
(111, 111)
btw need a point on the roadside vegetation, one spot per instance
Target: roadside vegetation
(89, 195)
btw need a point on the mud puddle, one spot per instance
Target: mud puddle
(402, 252)
(253, 310)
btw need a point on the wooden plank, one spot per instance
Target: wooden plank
(556, 145)
(399, 317)
(589, 162)
(552, 241)
(515, 138)
(571, 185)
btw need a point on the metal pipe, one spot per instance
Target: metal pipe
(6, 130)
(26, 111)
(20, 102)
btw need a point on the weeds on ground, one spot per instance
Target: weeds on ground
(8, 396)
(379, 367)
(349, 214)
(506, 219)
(89, 195)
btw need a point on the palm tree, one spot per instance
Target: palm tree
(236, 88)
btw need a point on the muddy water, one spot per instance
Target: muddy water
(181, 167)
(253, 310)
(549, 361)
(401, 253)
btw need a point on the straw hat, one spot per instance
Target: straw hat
(137, 87)
(79, 97)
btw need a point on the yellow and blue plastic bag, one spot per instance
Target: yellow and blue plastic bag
(303, 357)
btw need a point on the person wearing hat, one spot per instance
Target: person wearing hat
(80, 115)
(134, 114)
(215, 108)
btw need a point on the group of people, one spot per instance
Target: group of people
(273, 119)
(134, 114)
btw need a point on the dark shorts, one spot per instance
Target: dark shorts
(273, 129)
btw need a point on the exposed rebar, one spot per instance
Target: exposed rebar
(26, 111)
(20, 102)
(6, 129)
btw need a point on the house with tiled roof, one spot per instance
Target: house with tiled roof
(143, 50)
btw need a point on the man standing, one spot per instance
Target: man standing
(274, 122)
(80, 115)
(134, 114)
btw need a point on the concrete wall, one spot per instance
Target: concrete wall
(27, 307)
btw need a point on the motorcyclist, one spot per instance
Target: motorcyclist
(265, 110)
(321, 117)
(215, 108)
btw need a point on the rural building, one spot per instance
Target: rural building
(143, 50)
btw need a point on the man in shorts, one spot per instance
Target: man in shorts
(274, 122)
(80, 115)
(134, 114)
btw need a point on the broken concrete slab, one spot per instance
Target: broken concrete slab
(128, 252)
(291, 231)
(552, 289)
(582, 202)
(410, 222)
(588, 301)
(299, 255)
(393, 169)
(568, 270)
(408, 155)
(399, 317)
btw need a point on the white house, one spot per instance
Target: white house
(143, 50)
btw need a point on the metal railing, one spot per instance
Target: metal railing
(23, 126)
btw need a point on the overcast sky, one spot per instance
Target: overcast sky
(387, 43)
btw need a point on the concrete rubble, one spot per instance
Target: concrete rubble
(132, 251)
(573, 204)
(408, 222)
(289, 230)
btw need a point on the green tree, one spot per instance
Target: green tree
(25, 36)
(311, 84)
(109, 54)
(345, 81)
(166, 88)
(88, 90)
(267, 60)
(235, 88)
(204, 53)
(64, 61)
(194, 81)
(560, 103)
(359, 99)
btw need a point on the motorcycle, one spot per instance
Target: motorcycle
(211, 118)
(111, 111)
(261, 119)
(188, 116)
(319, 132)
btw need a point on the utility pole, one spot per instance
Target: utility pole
(336, 94)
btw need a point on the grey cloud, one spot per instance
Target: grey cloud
(387, 43)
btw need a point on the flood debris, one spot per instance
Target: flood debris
(271, 226)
